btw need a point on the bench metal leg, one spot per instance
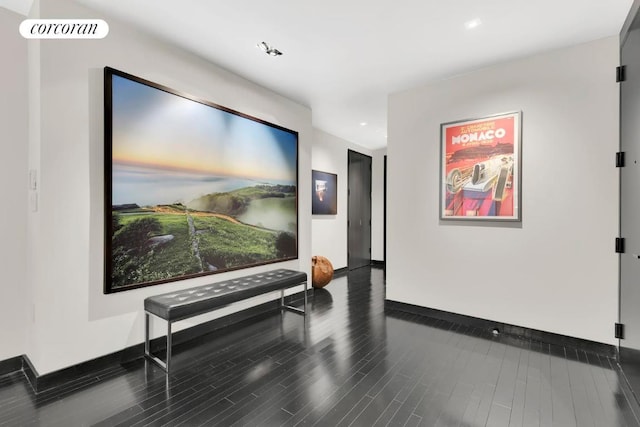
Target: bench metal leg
(147, 347)
(146, 334)
(291, 308)
(169, 342)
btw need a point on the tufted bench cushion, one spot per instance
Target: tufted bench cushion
(180, 305)
(191, 302)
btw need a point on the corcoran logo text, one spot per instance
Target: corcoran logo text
(64, 29)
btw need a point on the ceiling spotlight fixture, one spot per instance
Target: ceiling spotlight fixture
(269, 50)
(474, 23)
(363, 123)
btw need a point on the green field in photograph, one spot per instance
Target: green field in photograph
(138, 259)
(176, 257)
(163, 242)
(226, 244)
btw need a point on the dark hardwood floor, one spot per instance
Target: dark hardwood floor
(349, 364)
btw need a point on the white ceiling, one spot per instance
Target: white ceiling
(343, 57)
(19, 6)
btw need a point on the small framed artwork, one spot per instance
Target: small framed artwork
(480, 168)
(324, 189)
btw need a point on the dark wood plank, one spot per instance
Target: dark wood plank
(607, 399)
(385, 418)
(546, 394)
(516, 418)
(500, 412)
(564, 412)
(489, 380)
(341, 402)
(294, 396)
(587, 407)
(533, 389)
(626, 409)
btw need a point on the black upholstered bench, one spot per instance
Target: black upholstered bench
(180, 305)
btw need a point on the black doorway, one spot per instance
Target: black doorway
(359, 211)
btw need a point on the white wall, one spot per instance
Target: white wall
(74, 320)
(329, 232)
(377, 206)
(13, 179)
(557, 271)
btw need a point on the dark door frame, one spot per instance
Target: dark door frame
(628, 349)
(384, 210)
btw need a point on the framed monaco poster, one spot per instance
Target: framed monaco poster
(480, 168)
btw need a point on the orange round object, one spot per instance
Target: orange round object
(321, 271)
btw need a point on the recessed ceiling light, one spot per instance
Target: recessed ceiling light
(363, 123)
(269, 50)
(474, 23)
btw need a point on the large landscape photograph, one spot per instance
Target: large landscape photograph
(194, 188)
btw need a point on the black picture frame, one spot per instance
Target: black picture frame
(192, 188)
(324, 193)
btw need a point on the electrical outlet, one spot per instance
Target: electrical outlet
(33, 201)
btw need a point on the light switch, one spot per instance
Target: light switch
(33, 179)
